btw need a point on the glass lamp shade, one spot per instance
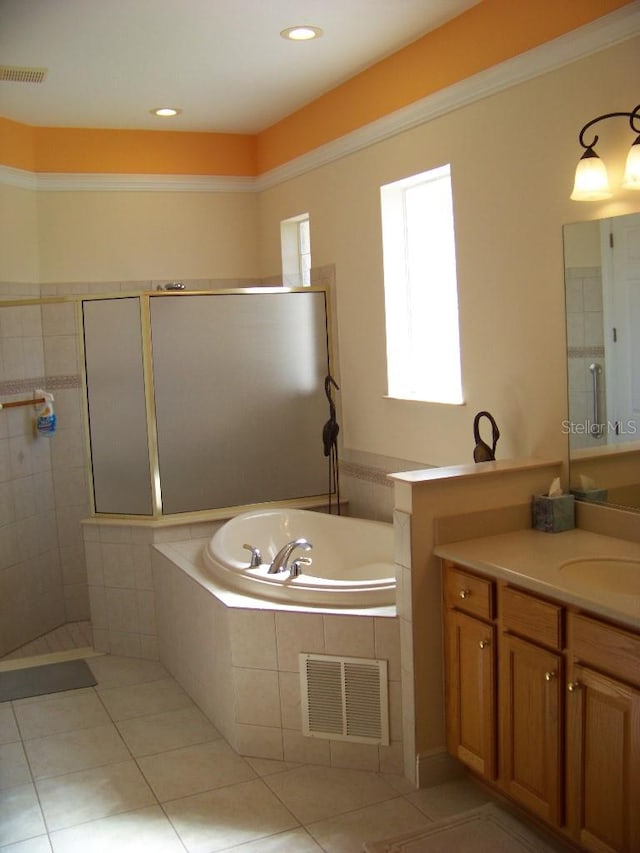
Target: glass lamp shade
(631, 180)
(592, 181)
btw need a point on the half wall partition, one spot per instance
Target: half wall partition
(203, 401)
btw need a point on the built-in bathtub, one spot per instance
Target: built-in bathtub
(351, 558)
(237, 652)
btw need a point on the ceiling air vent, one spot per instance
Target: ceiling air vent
(21, 74)
(344, 698)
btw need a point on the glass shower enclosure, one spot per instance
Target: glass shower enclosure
(200, 401)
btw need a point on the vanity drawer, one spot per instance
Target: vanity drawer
(531, 617)
(467, 592)
(611, 650)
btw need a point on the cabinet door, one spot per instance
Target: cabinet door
(471, 692)
(603, 763)
(530, 727)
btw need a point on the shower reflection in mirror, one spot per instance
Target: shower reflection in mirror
(602, 281)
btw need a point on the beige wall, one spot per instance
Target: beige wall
(129, 236)
(89, 236)
(19, 261)
(582, 244)
(513, 156)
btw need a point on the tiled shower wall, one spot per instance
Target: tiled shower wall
(43, 488)
(44, 493)
(32, 598)
(585, 346)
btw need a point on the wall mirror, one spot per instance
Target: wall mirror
(602, 292)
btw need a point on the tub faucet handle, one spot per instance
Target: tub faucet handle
(256, 556)
(295, 570)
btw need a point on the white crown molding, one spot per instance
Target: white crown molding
(611, 29)
(18, 178)
(58, 182)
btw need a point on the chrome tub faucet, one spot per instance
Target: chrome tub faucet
(281, 559)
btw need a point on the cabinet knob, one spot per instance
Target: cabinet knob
(464, 593)
(572, 686)
(549, 676)
(484, 643)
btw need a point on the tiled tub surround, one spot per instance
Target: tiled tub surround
(365, 482)
(237, 657)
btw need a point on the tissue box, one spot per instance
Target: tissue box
(553, 514)
(592, 495)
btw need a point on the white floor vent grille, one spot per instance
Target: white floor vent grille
(344, 698)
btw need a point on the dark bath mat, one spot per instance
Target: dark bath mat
(51, 678)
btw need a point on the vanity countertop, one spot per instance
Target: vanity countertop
(532, 559)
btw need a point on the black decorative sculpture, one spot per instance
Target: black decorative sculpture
(482, 452)
(330, 442)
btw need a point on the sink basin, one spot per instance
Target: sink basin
(609, 574)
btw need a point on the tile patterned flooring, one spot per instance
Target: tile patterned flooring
(132, 765)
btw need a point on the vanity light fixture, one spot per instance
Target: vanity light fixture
(592, 181)
(165, 112)
(301, 33)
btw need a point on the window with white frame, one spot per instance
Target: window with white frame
(421, 288)
(295, 240)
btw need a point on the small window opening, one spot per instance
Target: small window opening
(295, 240)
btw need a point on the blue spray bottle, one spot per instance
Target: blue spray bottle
(46, 419)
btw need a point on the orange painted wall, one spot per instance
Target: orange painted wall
(489, 33)
(17, 145)
(146, 152)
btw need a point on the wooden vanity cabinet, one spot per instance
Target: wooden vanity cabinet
(470, 691)
(551, 715)
(603, 736)
(530, 726)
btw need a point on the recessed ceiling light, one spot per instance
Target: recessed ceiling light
(301, 33)
(165, 112)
